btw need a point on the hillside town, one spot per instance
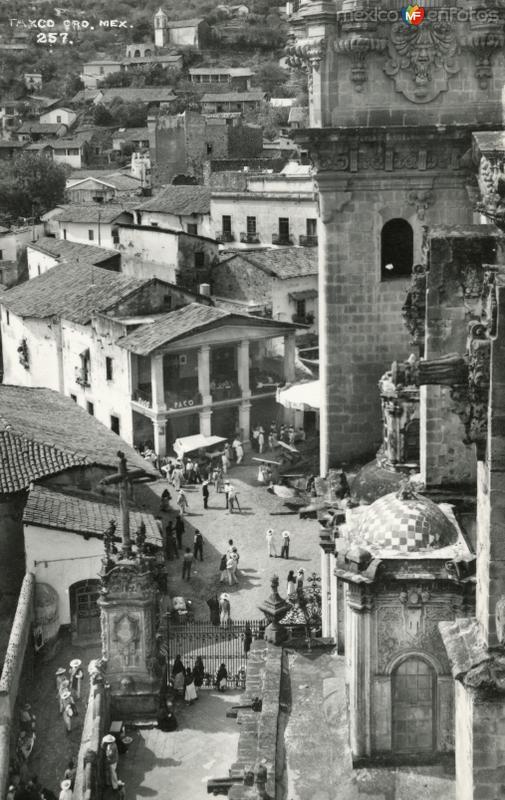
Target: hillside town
(252, 401)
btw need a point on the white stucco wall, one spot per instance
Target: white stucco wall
(148, 253)
(267, 212)
(67, 116)
(41, 338)
(64, 156)
(46, 543)
(38, 262)
(283, 307)
(78, 232)
(177, 221)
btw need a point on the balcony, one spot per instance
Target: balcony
(308, 241)
(249, 238)
(224, 236)
(303, 319)
(225, 390)
(282, 239)
(82, 377)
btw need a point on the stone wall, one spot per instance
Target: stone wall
(89, 778)
(454, 284)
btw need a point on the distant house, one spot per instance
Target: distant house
(37, 104)
(36, 131)
(13, 244)
(59, 116)
(140, 138)
(90, 223)
(159, 97)
(101, 186)
(95, 71)
(298, 117)
(184, 208)
(48, 252)
(232, 101)
(237, 78)
(283, 282)
(9, 148)
(183, 32)
(72, 150)
(140, 50)
(10, 115)
(33, 80)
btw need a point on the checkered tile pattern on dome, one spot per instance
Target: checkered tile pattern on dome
(408, 525)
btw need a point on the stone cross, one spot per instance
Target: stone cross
(122, 478)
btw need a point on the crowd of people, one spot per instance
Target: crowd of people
(185, 681)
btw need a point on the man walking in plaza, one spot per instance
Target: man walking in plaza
(205, 493)
(186, 564)
(198, 545)
(271, 548)
(285, 544)
(224, 608)
(231, 568)
(182, 502)
(233, 499)
(227, 487)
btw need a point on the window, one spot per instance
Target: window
(251, 226)
(114, 424)
(58, 118)
(1, 255)
(413, 700)
(73, 397)
(199, 260)
(283, 228)
(192, 228)
(154, 224)
(397, 249)
(91, 408)
(300, 308)
(167, 301)
(209, 148)
(312, 227)
(91, 235)
(109, 370)
(64, 233)
(226, 223)
(38, 268)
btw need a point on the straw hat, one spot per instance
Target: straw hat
(61, 671)
(66, 784)
(66, 695)
(75, 663)
(108, 739)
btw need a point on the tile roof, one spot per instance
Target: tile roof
(167, 59)
(72, 251)
(184, 322)
(40, 127)
(87, 515)
(180, 200)
(255, 95)
(284, 263)
(185, 23)
(143, 94)
(89, 212)
(10, 143)
(70, 291)
(85, 95)
(43, 433)
(119, 180)
(235, 72)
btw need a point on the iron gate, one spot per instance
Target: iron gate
(216, 645)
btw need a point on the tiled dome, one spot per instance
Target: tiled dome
(406, 521)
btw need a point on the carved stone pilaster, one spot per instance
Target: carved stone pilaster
(399, 392)
(360, 598)
(414, 308)
(358, 42)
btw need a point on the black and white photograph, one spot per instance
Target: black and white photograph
(252, 400)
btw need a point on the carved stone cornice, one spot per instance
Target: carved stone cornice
(306, 54)
(358, 45)
(422, 59)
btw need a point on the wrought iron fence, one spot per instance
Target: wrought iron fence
(216, 645)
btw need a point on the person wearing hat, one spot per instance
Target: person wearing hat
(299, 579)
(64, 688)
(66, 790)
(285, 544)
(76, 676)
(111, 758)
(271, 548)
(61, 674)
(205, 493)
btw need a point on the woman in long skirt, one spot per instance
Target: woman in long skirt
(190, 692)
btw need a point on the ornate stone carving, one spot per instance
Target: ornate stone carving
(489, 298)
(422, 199)
(306, 54)
(358, 45)
(449, 370)
(126, 634)
(422, 59)
(414, 308)
(483, 44)
(400, 406)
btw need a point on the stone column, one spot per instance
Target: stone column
(244, 420)
(160, 437)
(359, 606)
(243, 368)
(326, 593)
(134, 373)
(205, 422)
(289, 357)
(204, 374)
(157, 383)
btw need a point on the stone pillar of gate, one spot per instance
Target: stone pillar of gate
(358, 648)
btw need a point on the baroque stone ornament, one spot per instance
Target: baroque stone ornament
(422, 59)
(422, 199)
(483, 44)
(358, 45)
(306, 54)
(414, 308)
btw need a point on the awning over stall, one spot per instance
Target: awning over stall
(188, 444)
(301, 396)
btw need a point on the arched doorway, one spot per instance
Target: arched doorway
(85, 611)
(413, 712)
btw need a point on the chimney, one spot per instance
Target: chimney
(205, 289)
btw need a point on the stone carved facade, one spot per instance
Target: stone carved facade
(414, 308)
(400, 408)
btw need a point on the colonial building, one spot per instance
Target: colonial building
(282, 282)
(142, 356)
(266, 208)
(89, 223)
(101, 186)
(392, 110)
(232, 101)
(59, 116)
(238, 78)
(185, 208)
(183, 32)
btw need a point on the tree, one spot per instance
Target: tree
(101, 115)
(116, 80)
(35, 186)
(270, 76)
(128, 115)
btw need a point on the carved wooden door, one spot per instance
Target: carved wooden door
(413, 698)
(87, 610)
